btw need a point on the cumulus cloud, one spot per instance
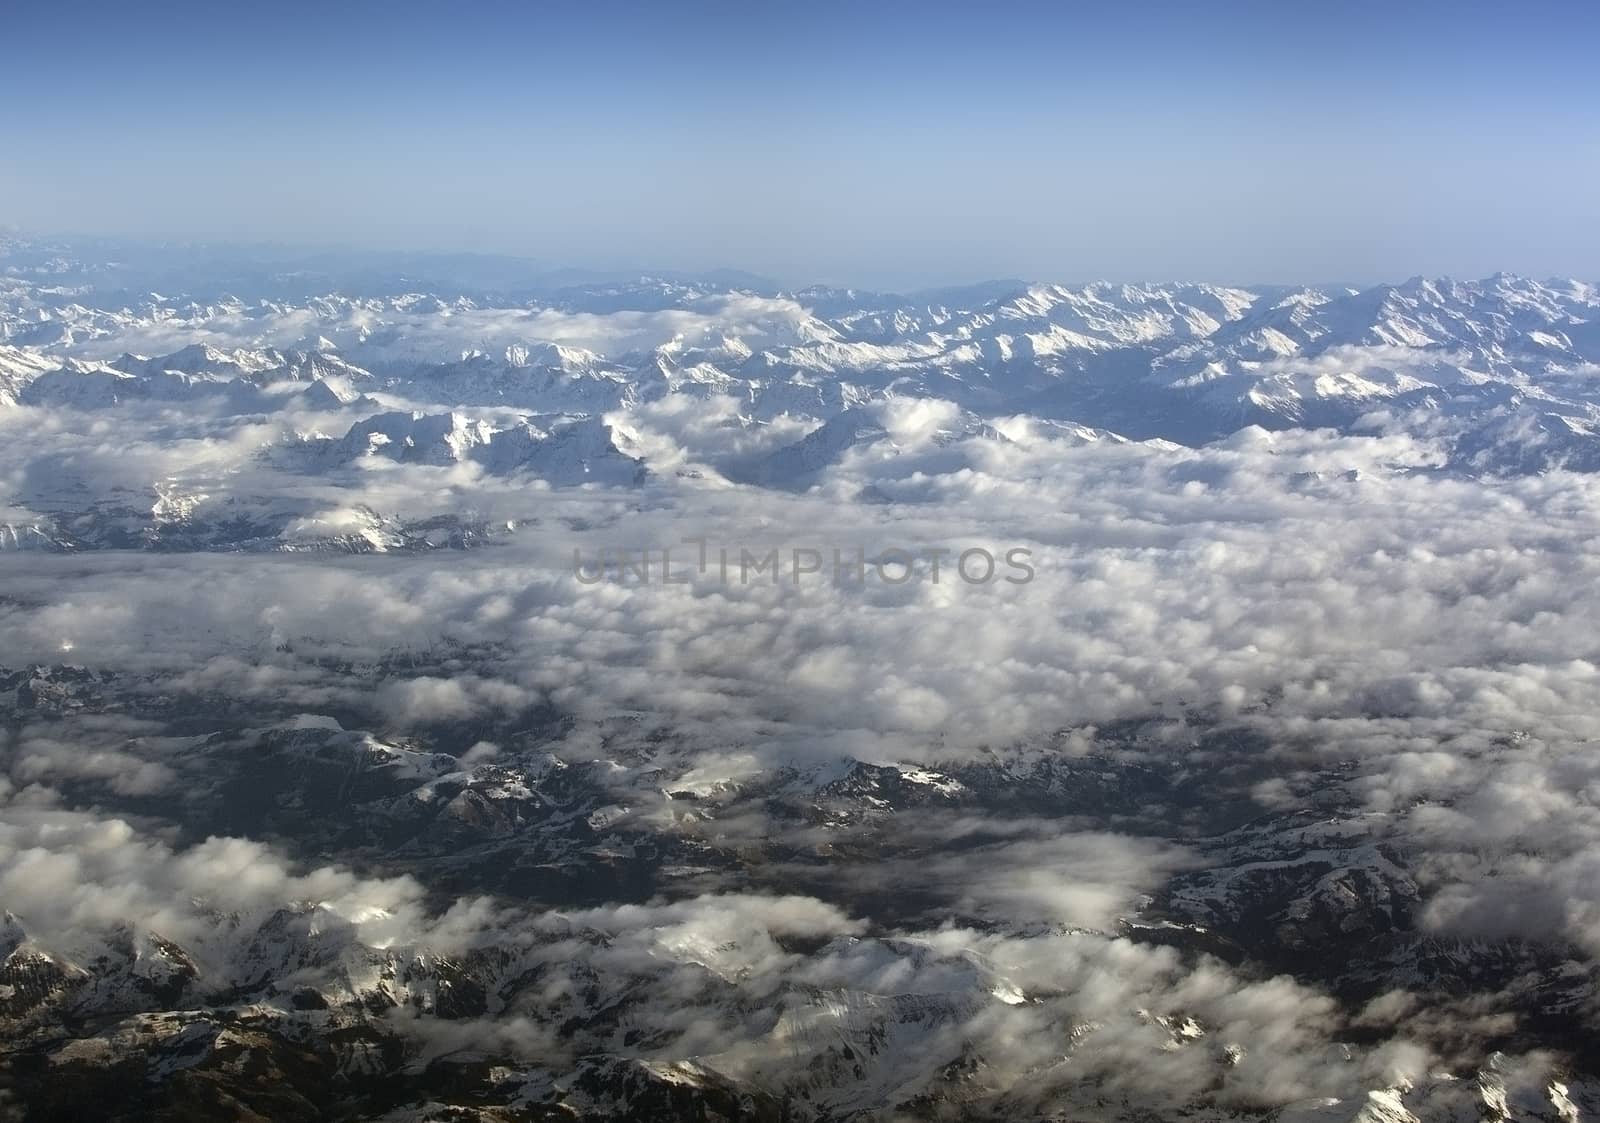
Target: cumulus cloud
(70, 876)
(715, 977)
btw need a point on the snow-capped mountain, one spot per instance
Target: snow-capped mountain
(570, 452)
(1493, 375)
(1185, 362)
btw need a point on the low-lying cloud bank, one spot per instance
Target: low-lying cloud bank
(1410, 646)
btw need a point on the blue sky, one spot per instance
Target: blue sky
(888, 143)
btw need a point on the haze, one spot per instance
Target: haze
(905, 145)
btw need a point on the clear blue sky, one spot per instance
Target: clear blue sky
(887, 143)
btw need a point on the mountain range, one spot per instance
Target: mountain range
(1494, 377)
(331, 788)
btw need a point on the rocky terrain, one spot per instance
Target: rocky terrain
(330, 788)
